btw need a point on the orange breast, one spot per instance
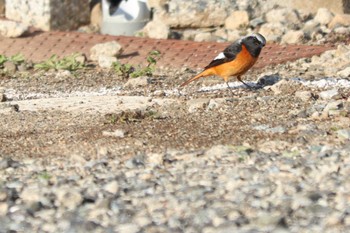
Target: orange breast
(238, 66)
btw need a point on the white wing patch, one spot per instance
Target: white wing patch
(220, 56)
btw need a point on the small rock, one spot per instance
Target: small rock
(283, 16)
(257, 22)
(303, 95)
(293, 37)
(137, 82)
(204, 36)
(12, 29)
(128, 228)
(112, 187)
(216, 103)
(8, 162)
(342, 30)
(30, 194)
(197, 104)
(237, 20)
(323, 16)
(63, 74)
(272, 31)
(310, 27)
(106, 61)
(9, 66)
(340, 20)
(233, 35)
(81, 58)
(109, 49)
(3, 208)
(329, 94)
(68, 198)
(155, 159)
(332, 107)
(156, 29)
(285, 87)
(119, 133)
(344, 133)
(345, 73)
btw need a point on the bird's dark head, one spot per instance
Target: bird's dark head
(254, 43)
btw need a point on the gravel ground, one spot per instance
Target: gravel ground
(91, 152)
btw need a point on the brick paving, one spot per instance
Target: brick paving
(38, 46)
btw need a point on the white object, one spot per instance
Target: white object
(130, 17)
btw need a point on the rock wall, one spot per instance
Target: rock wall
(49, 14)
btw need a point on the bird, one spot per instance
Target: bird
(235, 60)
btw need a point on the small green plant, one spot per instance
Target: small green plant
(127, 70)
(17, 59)
(44, 175)
(66, 63)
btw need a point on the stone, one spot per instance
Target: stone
(137, 82)
(323, 16)
(303, 95)
(237, 20)
(310, 27)
(332, 107)
(340, 20)
(155, 159)
(204, 36)
(257, 22)
(118, 133)
(272, 31)
(112, 187)
(12, 29)
(329, 94)
(293, 37)
(156, 29)
(49, 14)
(233, 35)
(30, 194)
(8, 162)
(110, 49)
(345, 73)
(216, 103)
(285, 87)
(106, 61)
(128, 228)
(68, 198)
(197, 104)
(186, 14)
(157, 4)
(3, 208)
(283, 16)
(344, 133)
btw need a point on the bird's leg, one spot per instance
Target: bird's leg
(250, 87)
(229, 89)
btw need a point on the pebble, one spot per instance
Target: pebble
(108, 49)
(344, 133)
(323, 16)
(329, 94)
(197, 104)
(112, 187)
(236, 20)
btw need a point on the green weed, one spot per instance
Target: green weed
(127, 70)
(66, 63)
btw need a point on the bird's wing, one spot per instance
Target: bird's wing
(227, 55)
